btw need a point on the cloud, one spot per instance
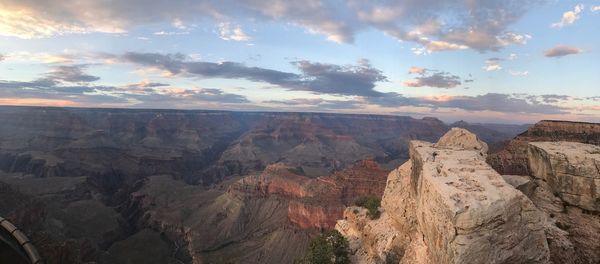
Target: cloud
(40, 57)
(492, 64)
(569, 17)
(554, 98)
(2, 57)
(170, 33)
(437, 79)
(69, 85)
(72, 73)
(416, 70)
(227, 31)
(171, 97)
(595, 8)
(314, 77)
(319, 103)
(178, 23)
(434, 25)
(518, 73)
(495, 102)
(147, 84)
(48, 89)
(561, 51)
(455, 24)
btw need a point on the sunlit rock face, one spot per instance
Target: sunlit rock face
(512, 158)
(446, 205)
(572, 170)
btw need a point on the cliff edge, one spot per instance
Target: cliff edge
(447, 205)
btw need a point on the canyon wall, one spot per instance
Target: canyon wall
(512, 158)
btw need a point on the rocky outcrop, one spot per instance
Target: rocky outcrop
(572, 171)
(512, 158)
(446, 205)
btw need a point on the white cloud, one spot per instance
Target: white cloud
(569, 17)
(171, 33)
(595, 8)
(438, 25)
(518, 73)
(25, 56)
(177, 23)
(492, 64)
(227, 31)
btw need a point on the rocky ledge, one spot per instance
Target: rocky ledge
(572, 170)
(446, 205)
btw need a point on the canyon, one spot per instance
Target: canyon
(107, 185)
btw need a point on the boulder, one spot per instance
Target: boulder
(462, 139)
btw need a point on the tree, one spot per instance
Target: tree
(371, 203)
(328, 248)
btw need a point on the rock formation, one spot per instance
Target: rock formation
(512, 158)
(567, 178)
(446, 205)
(571, 170)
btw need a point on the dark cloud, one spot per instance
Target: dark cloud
(50, 89)
(59, 84)
(319, 103)
(435, 24)
(335, 79)
(144, 86)
(324, 78)
(495, 102)
(561, 51)
(593, 98)
(433, 78)
(72, 73)
(554, 98)
(487, 102)
(173, 97)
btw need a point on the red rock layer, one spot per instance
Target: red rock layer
(315, 203)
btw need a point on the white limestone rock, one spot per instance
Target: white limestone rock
(446, 205)
(572, 170)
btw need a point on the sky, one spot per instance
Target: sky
(511, 61)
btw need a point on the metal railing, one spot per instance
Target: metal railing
(16, 238)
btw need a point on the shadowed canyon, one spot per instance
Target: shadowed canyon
(110, 185)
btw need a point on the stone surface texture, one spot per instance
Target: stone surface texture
(446, 205)
(572, 170)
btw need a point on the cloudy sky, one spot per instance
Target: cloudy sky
(511, 61)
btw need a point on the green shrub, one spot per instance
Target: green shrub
(371, 203)
(328, 248)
